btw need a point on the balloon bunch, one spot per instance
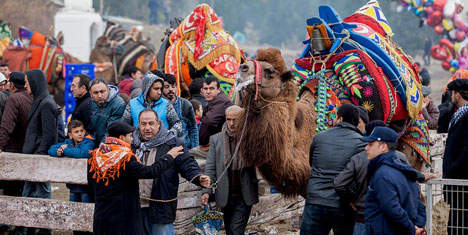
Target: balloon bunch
(444, 17)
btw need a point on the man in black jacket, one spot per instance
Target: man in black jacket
(42, 130)
(152, 141)
(80, 90)
(455, 161)
(113, 173)
(329, 153)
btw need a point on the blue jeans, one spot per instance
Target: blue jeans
(37, 190)
(155, 229)
(319, 220)
(359, 228)
(80, 197)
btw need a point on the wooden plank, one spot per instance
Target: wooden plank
(46, 213)
(42, 168)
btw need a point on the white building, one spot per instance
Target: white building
(80, 25)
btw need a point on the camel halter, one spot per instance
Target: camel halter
(258, 79)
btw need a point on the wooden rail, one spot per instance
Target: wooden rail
(65, 215)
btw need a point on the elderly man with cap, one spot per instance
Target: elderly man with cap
(455, 161)
(393, 205)
(430, 110)
(113, 173)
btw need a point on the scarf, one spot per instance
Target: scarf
(230, 144)
(458, 114)
(162, 137)
(109, 158)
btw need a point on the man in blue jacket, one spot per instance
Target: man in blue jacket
(392, 203)
(151, 98)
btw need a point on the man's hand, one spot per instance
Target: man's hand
(429, 176)
(419, 231)
(353, 206)
(205, 181)
(176, 151)
(204, 199)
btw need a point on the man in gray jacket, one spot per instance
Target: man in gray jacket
(329, 153)
(237, 189)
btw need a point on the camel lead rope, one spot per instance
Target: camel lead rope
(214, 185)
(176, 198)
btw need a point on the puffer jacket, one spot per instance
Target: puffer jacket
(393, 205)
(109, 112)
(329, 153)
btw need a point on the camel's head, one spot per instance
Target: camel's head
(274, 74)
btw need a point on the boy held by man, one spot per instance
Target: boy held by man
(78, 145)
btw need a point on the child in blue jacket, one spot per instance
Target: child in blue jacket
(77, 146)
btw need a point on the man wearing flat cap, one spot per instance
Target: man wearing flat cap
(455, 161)
(393, 205)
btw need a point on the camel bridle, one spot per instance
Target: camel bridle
(258, 79)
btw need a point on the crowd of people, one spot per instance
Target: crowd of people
(140, 136)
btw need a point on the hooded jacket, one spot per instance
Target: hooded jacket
(109, 112)
(166, 112)
(393, 205)
(42, 122)
(15, 121)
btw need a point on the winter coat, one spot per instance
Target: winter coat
(81, 150)
(431, 114)
(446, 111)
(213, 117)
(393, 205)
(166, 112)
(351, 183)
(214, 168)
(186, 115)
(167, 185)
(15, 121)
(329, 153)
(455, 161)
(42, 122)
(117, 205)
(125, 85)
(3, 99)
(109, 112)
(83, 111)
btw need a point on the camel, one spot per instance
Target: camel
(279, 129)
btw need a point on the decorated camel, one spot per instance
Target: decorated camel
(337, 66)
(197, 47)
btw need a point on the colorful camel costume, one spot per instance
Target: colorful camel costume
(351, 61)
(199, 46)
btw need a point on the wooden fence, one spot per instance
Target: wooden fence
(64, 215)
